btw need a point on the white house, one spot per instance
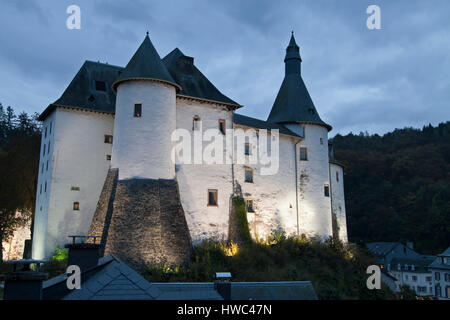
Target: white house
(125, 118)
(440, 270)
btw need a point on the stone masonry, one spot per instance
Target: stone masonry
(142, 222)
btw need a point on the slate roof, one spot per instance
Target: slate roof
(438, 263)
(261, 124)
(117, 281)
(112, 279)
(146, 64)
(380, 249)
(292, 290)
(81, 92)
(293, 103)
(420, 265)
(192, 80)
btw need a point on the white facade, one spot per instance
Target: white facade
(420, 282)
(77, 167)
(194, 180)
(313, 176)
(138, 151)
(338, 199)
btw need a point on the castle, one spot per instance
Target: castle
(107, 161)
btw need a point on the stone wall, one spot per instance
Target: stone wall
(143, 223)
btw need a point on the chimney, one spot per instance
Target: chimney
(223, 284)
(83, 254)
(24, 284)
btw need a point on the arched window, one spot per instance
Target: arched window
(196, 123)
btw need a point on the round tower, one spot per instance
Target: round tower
(293, 108)
(145, 117)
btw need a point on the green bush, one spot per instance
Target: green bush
(336, 270)
(241, 219)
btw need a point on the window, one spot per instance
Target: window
(248, 175)
(50, 127)
(46, 166)
(321, 140)
(249, 205)
(437, 276)
(406, 277)
(222, 127)
(429, 279)
(212, 198)
(303, 154)
(45, 135)
(73, 188)
(76, 206)
(137, 110)
(326, 190)
(196, 123)
(45, 186)
(414, 278)
(438, 291)
(108, 157)
(447, 277)
(100, 85)
(448, 292)
(40, 189)
(44, 150)
(337, 176)
(108, 138)
(42, 170)
(247, 149)
(422, 289)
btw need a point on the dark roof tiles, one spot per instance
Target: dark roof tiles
(146, 64)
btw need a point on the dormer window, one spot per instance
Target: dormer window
(311, 111)
(100, 86)
(137, 110)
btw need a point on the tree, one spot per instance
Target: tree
(19, 160)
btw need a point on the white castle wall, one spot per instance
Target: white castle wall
(338, 199)
(78, 159)
(194, 180)
(274, 198)
(314, 208)
(142, 145)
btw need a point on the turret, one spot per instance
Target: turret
(145, 117)
(294, 108)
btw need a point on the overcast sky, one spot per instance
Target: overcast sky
(359, 79)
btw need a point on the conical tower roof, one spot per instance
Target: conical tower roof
(293, 103)
(146, 64)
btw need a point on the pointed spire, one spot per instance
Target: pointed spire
(293, 103)
(146, 65)
(292, 58)
(292, 43)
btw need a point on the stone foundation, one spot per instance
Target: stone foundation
(142, 222)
